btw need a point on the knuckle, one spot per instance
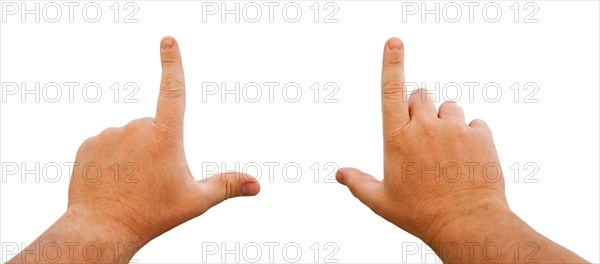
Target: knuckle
(353, 190)
(137, 124)
(427, 128)
(108, 133)
(392, 137)
(169, 61)
(88, 141)
(479, 122)
(427, 125)
(227, 187)
(394, 60)
(393, 87)
(86, 144)
(458, 129)
(171, 87)
(447, 104)
(165, 133)
(420, 93)
(481, 125)
(419, 96)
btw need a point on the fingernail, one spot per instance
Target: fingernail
(167, 43)
(244, 190)
(395, 44)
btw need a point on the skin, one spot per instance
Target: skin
(459, 209)
(112, 215)
(153, 192)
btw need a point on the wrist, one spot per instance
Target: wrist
(460, 225)
(476, 234)
(80, 236)
(93, 231)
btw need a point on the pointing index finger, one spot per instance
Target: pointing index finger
(171, 100)
(393, 94)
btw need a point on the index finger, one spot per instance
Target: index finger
(171, 100)
(393, 94)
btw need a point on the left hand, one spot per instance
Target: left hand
(145, 185)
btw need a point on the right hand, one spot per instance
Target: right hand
(437, 169)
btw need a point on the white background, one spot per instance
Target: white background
(558, 134)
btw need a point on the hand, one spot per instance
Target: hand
(145, 185)
(133, 183)
(437, 169)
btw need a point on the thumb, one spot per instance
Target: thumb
(223, 186)
(362, 185)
